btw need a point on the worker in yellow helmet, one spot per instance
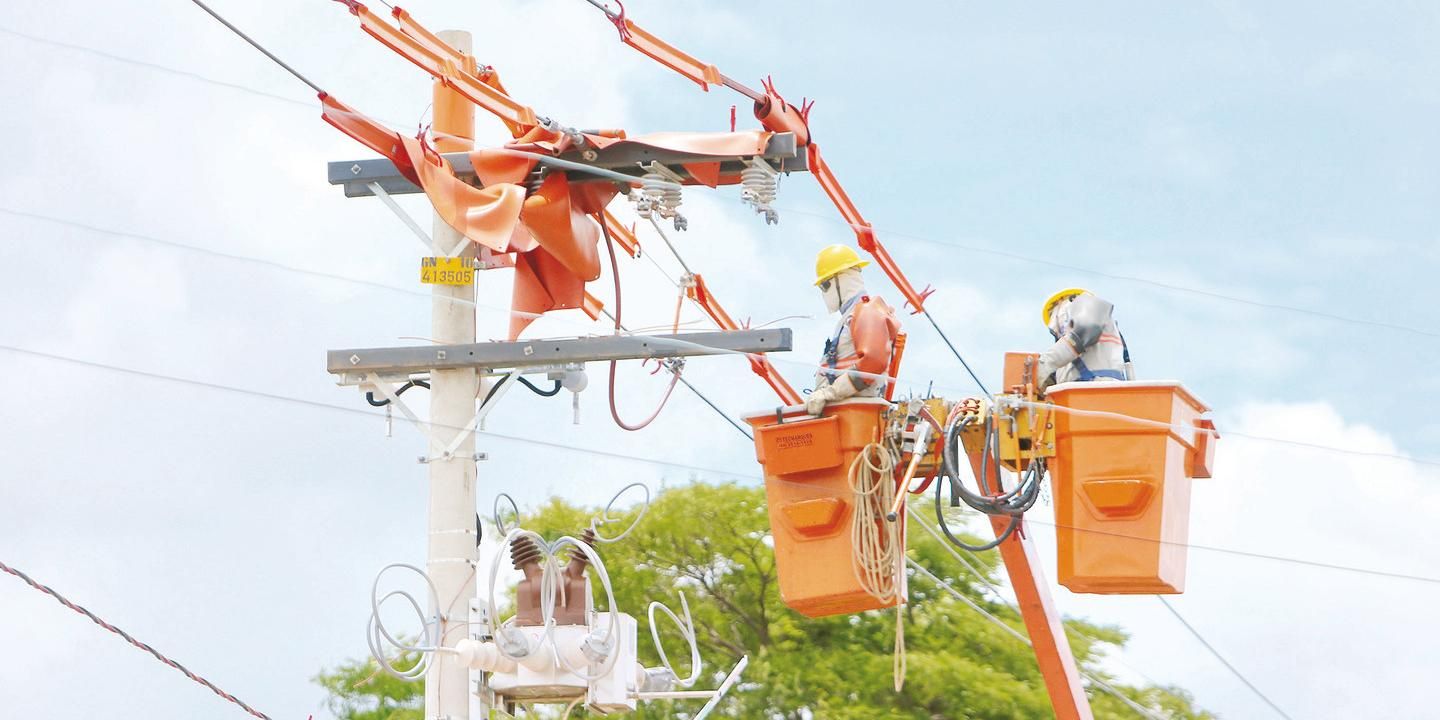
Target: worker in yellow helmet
(857, 355)
(1088, 344)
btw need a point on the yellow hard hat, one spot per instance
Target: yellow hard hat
(1055, 300)
(834, 260)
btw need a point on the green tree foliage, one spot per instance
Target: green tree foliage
(360, 690)
(711, 542)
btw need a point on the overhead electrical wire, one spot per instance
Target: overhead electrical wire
(1233, 670)
(259, 47)
(1171, 287)
(678, 343)
(930, 318)
(597, 452)
(130, 639)
(363, 411)
(1012, 632)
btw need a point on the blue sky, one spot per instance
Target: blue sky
(1283, 154)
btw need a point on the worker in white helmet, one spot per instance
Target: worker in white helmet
(1088, 345)
(857, 355)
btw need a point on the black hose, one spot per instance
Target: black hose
(552, 392)
(944, 528)
(1013, 503)
(370, 396)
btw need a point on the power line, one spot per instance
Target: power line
(779, 360)
(359, 411)
(1221, 658)
(602, 453)
(259, 47)
(918, 518)
(1249, 554)
(1170, 287)
(127, 637)
(1132, 279)
(307, 104)
(1138, 708)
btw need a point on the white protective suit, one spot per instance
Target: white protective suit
(1088, 344)
(849, 368)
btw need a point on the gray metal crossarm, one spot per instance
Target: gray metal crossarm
(403, 361)
(626, 158)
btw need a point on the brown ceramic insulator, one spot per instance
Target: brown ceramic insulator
(524, 551)
(577, 555)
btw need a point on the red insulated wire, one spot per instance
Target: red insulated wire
(675, 374)
(95, 619)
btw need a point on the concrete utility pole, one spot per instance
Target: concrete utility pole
(452, 548)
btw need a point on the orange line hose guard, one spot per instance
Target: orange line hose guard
(777, 116)
(446, 64)
(760, 364)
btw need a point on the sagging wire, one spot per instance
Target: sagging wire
(1092, 677)
(376, 634)
(259, 47)
(675, 366)
(129, 639)
(687, 631)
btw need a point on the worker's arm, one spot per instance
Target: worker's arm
(1088, 317)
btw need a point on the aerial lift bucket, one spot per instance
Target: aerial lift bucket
(1122, 484)
(806, 462)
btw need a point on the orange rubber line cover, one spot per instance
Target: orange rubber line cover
(542, 284)
(623, 235)
(864, 233)
(668, 55)
(369, 133)
(453, 68)
(562, 228)
(720, 144)
(487, 216)
(759, 364)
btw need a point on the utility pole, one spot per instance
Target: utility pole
(453, 552)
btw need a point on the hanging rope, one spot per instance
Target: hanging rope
(878, 558)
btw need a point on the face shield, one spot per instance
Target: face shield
(840, 288)
(1060, 319)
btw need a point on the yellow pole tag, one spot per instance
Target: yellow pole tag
(447, 271)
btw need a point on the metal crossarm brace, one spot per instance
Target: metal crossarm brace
(626, 158)
(390, 362)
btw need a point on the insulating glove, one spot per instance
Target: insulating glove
(839, 390)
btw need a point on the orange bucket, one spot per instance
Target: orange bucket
(1122, 488)
(806, 462)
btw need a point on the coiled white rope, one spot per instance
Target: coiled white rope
(878, 554)
(878, 547)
